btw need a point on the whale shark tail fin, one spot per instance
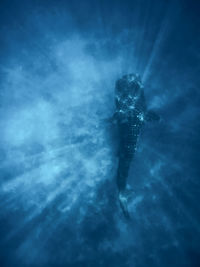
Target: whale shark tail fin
(123, 201)
(123, 205)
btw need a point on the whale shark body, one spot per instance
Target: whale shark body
(130, 115)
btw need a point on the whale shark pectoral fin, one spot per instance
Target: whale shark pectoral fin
(152, 116)
(111, 120)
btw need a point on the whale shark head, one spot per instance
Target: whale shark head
(132, 82)
(129, 84)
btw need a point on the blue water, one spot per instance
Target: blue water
(58, 197)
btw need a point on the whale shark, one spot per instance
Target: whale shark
(130, 115)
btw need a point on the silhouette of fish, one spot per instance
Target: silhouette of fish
(130, 115)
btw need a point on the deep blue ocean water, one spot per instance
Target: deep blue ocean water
(59, 61)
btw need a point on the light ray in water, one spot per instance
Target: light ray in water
(58, 153)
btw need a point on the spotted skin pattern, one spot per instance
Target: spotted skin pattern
(129, 115)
